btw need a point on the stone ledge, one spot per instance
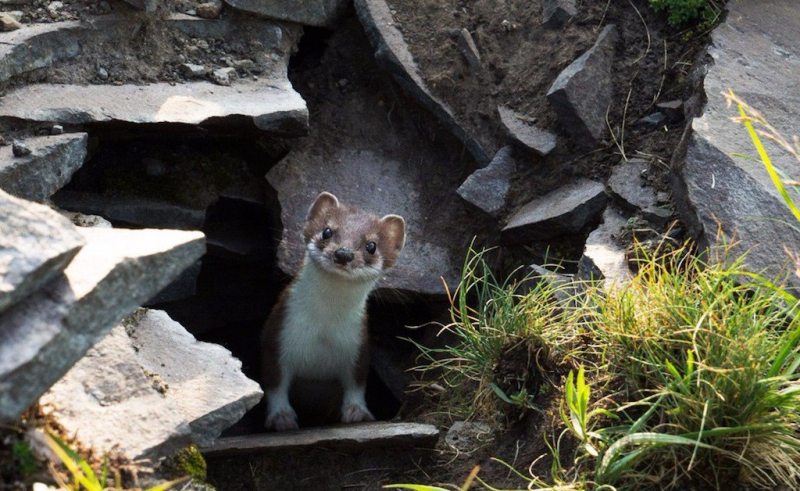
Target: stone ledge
(360, 436)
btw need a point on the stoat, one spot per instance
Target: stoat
(318, 328)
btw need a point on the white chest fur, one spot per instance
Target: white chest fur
(321, 336)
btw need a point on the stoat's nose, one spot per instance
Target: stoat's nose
(343, 256)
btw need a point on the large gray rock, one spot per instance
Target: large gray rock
(36, 244)
(434, 226)
(604, 256)
(108, 400)
(308, 12)
(392, 54)
(116, 271)
(564, 211)
(46, 170)
(529, 136)
(205, 381)
(487, 188)
(132, 211)
(150, 388)
(269, 104)
(756, 51)
(38, 46)
(581, 94)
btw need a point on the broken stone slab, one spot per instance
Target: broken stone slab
(564, 211)
(109, 401)
(392, 54)
(556, 13)
(204, 380)
(529, 136)
(323, 13)
(36, 244)
(384, 185)
(132, 211)
(629, 186)
(603, 256)
(353, 437)
(581, 94)
(49, 166)
(468, 49)
(42, 336)
(269, 104)
(38, 46)
(715, 192)
(486, 188)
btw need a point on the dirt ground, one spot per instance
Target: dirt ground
(520, 60)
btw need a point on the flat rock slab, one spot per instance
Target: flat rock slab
(39, 45)
(47, 169)
(108, 401)
(392, 54)
(205, 381)
(150, 388)
(383, 186)
(581, 94)
(486, 188)
(564, 211)
(271, 105)
(36, 244)
(309, 12)
(756, 51)
(528, 135)
(42, 336)
(603, 256)
(354, 437)
(132, 211)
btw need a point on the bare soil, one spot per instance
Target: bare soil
(521, 58)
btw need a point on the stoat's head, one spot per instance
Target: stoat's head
(346, 241)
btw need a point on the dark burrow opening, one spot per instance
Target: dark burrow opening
(216, 184)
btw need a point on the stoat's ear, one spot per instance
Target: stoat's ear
(324, 202)
(392, 235)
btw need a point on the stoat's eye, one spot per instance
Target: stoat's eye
(371, 246)
(327, 233)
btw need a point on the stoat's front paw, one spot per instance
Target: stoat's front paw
(282, 421)
(354, 413)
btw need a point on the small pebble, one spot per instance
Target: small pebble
(8, 23)
(102, 73)
(57, 129)
(224, 76)
(104, 7)
(209, 10)
(20, 149)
